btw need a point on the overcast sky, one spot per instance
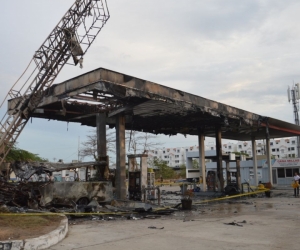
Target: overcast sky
(241, 53)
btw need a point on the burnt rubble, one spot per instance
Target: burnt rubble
(25, 197)
(18, 194)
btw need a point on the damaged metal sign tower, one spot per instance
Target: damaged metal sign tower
(72, 37)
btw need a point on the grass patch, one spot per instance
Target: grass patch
(28, 222)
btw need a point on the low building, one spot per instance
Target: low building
(280, 148)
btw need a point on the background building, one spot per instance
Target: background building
(280, 148)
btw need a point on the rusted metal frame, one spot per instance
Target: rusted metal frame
(83, 117)
(83, 98)
(119, 110)
(14, 93)
(67, 94)
(9, 134)
(83, 22)
(37, 79)
(150, 189)
(90, 97)
(45, 76)
(11, 130)
(85, 107)
(46, 113)
(51, 41)
(6, 145)
(63, 112)
(93, 5)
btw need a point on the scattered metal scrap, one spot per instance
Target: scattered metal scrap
(152, 227)
(24, 170)
(18, 194)
(236, 223)
(29, 197)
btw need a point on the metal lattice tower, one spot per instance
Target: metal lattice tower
(294, 96)
(72, 37)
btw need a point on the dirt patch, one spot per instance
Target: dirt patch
(25, 227)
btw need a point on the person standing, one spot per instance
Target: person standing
(296, 184)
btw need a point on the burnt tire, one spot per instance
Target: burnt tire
(83, 201)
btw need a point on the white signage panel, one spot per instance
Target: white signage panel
(292, 162)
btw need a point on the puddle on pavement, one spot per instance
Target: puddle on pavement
(221, 210)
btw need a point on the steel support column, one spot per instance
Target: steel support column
(269, 159)
(219, 158)
(228, 177)
(201, 139)
(101, 134)
(101, 146)
(120, 158)
(238, 174)
(254, 158)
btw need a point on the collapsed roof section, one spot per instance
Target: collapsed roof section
(150, 107)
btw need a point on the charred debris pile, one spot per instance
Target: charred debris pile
(25, 196)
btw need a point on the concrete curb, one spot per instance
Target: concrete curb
(41, 242)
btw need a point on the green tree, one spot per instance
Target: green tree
(182, 171)
(240, 153)
(195, 164)
(163, 170)
(17, 154)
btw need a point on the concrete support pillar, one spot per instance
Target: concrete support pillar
(101, 134)
(238, 173)
(254, 157)
(228, 177)
(201, 139)
(219, 158)
(103, 169)
(269, 159)
(144, 170)
(120, 158)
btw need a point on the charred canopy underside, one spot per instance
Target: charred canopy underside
(150, 107)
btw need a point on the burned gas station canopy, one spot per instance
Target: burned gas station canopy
(150, 107)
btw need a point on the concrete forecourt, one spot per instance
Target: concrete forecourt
(247, 223)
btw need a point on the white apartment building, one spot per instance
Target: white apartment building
(280, 148)
(174, 157)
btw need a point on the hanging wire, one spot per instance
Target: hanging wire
(18, 80)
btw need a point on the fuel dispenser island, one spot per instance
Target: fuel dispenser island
(141, 180)
(137, 175)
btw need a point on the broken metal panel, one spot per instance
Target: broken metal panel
(281, 125)
(73, 42)
(69, 193)
(25, 170)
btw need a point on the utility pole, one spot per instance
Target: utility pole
(78, 151)
(294, 96)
